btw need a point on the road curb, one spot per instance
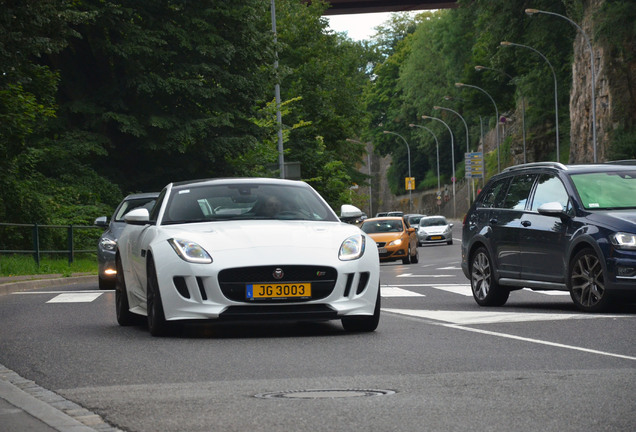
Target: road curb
(25, 285)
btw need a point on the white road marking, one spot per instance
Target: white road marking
(75, 297)
(409, 275)
(486, 317)
(461, 289)
(389, 291)
(440, 315)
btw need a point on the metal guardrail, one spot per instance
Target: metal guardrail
(37, 251)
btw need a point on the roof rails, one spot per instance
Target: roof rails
(622, 162)
(536, 165)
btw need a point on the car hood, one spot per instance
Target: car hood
(232, 235)
(385, 237)
(619, 220)
(434, 229)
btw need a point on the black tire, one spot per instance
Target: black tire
(415, 258)
(586, 282)
(157, 323)
(486, 290)
(450, 242)
(407, 258)
(122, 308)
(364, 324)
(106, 284)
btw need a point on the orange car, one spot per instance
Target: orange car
(395, 239)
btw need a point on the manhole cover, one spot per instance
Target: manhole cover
(324, 394)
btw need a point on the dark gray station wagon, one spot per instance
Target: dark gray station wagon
(548, 226)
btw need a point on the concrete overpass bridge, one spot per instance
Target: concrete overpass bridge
(343, 7)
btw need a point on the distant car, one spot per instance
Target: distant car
(549, 226)
(395, 213)
(248, 249)
(108, 240)
(413, 219)
(434, 229)
(381, 214)
(394, 239)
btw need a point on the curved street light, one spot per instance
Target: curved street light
(437, 150)
(556, 103)
(425, 117)
(523, 107)
(531, 12)
(460, 85)
(467, 138)
(408, 152)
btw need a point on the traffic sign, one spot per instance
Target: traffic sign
(409, 183)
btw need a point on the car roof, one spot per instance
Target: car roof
(625, 165)
(239, 180)
(381, 218)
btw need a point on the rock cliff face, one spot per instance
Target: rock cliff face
(615, 85)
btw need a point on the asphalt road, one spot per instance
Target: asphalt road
(437, 362)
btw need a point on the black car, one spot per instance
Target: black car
(548, 226)
(107, 244)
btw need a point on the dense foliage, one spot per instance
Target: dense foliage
(99, 98)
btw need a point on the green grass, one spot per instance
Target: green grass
(19, 265)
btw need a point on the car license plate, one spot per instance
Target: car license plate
(278, 291)
(436, 237)
(381, 250)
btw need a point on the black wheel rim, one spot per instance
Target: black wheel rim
(481, 276)
(588, 283)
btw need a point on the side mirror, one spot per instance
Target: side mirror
(450, 225)
(349, 213)
(138, 216)
(101, 221)
(551, 209)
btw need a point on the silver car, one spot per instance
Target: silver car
(108, 241)
(434, 229)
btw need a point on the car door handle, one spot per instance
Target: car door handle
(526, 223)
(493, 221)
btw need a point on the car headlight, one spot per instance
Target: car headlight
(623, 240)
(190, 251)
(108, 244)
(352, 248)
(396, 242)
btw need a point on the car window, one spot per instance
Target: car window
(132, 204)
(494, 194)
(372, 227)
(518, 192)
(549, 189)
(610, 190)
(211, 202)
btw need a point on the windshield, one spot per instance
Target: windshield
(610, 190)
(201, 203)
(372, 227)
(440, 221)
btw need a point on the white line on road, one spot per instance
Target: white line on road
(458, 326)
(389, 291)
(75, 297)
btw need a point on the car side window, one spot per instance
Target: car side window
(493, 195)
(519, 191)
(549, 189)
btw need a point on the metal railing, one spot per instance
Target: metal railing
(52, 245)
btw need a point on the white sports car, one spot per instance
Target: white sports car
(245, 249)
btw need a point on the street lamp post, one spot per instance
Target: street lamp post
(437, 151)
(408, 152)
(467, 138)
(556, 101)
(460, 85)
(531, 12)
(279, 119)
(425, 117)
(367, 148)
(523, 107)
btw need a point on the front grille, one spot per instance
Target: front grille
(233, 281)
